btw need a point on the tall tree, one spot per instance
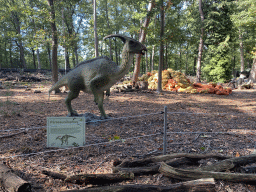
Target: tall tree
(142, 39)
(201, 44)
(95, 29)
(219, 42)
(252, 76)
(54, 43)
(244, 20)
(12, 10)
(161, 50)
(241, 46)
(108, 25)
(66, 54)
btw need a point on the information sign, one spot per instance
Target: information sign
(65, 131)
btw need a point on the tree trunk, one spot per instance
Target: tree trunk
(146, 58)
(5, 51)
(142, 39)
(49, 55)
(37, 50)
(180, 60)
(67, 65)
(166, 56)
(252, 76)
(201, 45)
(34, 58)
(186, 65)
(38, 59)
(153, 56)
(54, 44)
(19, 43)
(194, 66)
(95, 29)
(107, 19)
(73, 59)
(116, 53)
(22, 55)
(10, 55)
(76, 54)
(161, 51)
(241, 46)
(1, 60)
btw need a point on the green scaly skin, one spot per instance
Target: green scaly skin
(98, 75)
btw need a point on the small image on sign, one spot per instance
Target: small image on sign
(65, 131)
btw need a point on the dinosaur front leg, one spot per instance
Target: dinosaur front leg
(71, 95)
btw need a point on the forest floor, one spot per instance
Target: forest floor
(191, 120)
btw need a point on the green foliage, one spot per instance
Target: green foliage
(244, 20)
(27, 23)
(219, 67)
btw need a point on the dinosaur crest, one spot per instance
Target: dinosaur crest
(133, 45)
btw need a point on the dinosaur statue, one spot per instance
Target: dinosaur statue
(98, 75)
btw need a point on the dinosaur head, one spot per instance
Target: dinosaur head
(134, 46)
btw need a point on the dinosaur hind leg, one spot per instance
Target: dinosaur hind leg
(99, 98)
(72, 94)
(96, 87)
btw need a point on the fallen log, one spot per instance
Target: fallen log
(99, 179)
(184, 174)
(229, 164)
(218, 167)
(177, 162)
(11, 135)
(249, 169)
(243, 160)
(11, 182)
(202, 185)
(153, 167)
(138, 170)
(54, 175)
(145, 162)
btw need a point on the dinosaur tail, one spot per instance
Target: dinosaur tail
(63, 81)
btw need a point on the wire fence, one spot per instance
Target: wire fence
(163, 132)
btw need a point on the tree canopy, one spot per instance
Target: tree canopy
(229, 34)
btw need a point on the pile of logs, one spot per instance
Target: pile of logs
(172, 166)
(180, 167)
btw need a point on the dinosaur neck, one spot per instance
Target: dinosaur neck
(127, 59)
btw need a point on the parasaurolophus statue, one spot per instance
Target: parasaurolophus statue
(98, 75)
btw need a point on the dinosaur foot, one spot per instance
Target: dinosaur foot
(104, 117)
(73, 114)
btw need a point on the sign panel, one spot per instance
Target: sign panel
(65, 131)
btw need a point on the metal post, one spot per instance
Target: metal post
(165, 130)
